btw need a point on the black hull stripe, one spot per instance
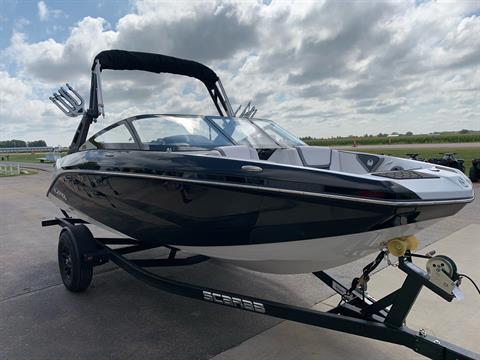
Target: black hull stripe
(404, 203)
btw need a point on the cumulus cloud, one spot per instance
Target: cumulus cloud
(319, 68)
(23, 115)
(53, 61)
(199, 30)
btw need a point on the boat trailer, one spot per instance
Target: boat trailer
(358, 313)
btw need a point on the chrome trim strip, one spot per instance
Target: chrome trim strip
(252, 187)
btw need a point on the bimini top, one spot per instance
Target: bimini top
(134, 60)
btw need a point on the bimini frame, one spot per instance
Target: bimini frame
(357, 314)
(132, 60)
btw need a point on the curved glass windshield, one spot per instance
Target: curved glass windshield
(166, 132)
(278, 133)
(113, 137)
(243, 132)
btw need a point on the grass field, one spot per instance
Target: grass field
(466, 154)
(402, 139)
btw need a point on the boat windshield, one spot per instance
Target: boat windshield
(178, 132)
(243, 132)
(279, 134)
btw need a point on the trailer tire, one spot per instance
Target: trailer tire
(474, 174)
(73, 243)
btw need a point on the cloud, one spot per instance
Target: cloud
(200, 30)
(382, 107)
(23, 115)
(318, 68)
(20, 23)
(55, 62)
(44, 13)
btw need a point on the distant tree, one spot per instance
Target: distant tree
(409, 133)
(37, 143)
(464, 131)
(12, 143)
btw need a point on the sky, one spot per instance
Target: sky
(320, 68)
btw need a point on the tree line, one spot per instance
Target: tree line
(384, 135)
(21, 143)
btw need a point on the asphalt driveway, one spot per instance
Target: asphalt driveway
(120, 317)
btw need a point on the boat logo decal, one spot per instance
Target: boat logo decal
(59, 193)
(463, 182)
(234, 302)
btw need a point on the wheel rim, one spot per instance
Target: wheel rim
(66, 261)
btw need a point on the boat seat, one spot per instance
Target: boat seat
(238, 152)
(288, 156)
(315, 156)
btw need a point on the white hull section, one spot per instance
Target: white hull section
(292, 257)
(306, 256)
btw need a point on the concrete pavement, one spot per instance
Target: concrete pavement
(119, 317)
(457, 322)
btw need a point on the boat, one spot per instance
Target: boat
(50, 157)
(238, 188)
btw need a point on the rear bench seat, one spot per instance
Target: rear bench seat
(311, 156)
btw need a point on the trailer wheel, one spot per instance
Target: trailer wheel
(474, 174)
(73, 243)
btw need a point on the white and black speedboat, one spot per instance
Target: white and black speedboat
(240, 189)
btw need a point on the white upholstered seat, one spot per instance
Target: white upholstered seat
(286, 156)
(315, 156)
(238, 152)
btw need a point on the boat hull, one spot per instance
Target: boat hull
(254, 227)
(306, 256)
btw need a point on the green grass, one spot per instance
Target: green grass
(403, 139)
(466, 154)
(23, 157)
